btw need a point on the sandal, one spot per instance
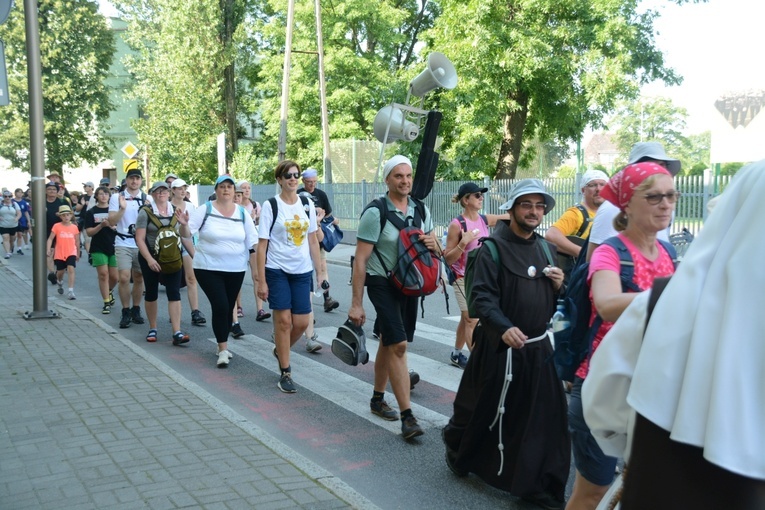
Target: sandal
(239, 311)
(180, 338)
(152, 336)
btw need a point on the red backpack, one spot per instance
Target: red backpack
(417, 271)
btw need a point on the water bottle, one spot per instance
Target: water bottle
(559, 319)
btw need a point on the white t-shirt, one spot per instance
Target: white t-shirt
(224, 242)
(131, 214)
(603, 224)
(288, 242)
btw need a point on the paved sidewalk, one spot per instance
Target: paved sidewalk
(88, 420)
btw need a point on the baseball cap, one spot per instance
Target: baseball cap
(528, 187)
(468, 188)
(134, 171)
(104, 182)
(177, 183)
(51, 184)
(158, 185)
(89, 183)
(224, 178)
(170, 176)
(310, 172)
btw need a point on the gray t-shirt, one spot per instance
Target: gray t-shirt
(8, 214)
(151, 230)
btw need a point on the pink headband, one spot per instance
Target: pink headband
(621, 186)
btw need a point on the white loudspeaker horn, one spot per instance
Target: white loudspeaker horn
(392, 119)
(440, 72)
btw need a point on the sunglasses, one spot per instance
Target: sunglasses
(655, 199)
(291, 175)
(477, 194)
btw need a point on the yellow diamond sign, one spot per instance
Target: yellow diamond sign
(129, 150)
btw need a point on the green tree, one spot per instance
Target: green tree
(695, 154)
(369, 58)
(650, 119)
(545, 68)
(76, 50)
(185, 53)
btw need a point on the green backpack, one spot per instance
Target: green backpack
(167, 245)
(470, 270)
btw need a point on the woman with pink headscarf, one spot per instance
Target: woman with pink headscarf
(646, 197)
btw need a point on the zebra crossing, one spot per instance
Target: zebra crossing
(346, 390)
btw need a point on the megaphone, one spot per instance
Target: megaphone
(440, 72)
(392, 119)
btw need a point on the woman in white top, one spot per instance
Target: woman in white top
(286, 248)
(10, 213)
(178, 189)
(689, 394)
(226, 244)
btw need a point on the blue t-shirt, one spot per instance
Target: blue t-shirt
(24, 207)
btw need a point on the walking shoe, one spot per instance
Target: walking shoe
(311, 344)
(223, 358)
(135, 315)
(125, 320)
(285, 383)
(409, 427)
(451, 456)
(197, 318)
(180, 338)
(52, 278)
(236, 330)
(111, 298)
(262, 315)
(60, 287)
(151, 336)
(20, 252)
(70, 295)
(239, 311)
(383, 410)
(460, 360)
(106, 310)
(330, 304)
(414, 378)
(7, 255)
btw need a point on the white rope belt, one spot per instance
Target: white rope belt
(505, 385)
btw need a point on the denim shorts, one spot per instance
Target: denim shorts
(594, 465)
(289, 291)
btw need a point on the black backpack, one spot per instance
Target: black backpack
(574, 344)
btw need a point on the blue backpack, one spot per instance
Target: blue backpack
(574, 344)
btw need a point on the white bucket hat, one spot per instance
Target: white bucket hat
(528, 187)
(643, 151)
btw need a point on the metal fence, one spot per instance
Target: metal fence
(349, 199)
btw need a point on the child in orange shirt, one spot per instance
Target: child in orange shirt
(65, 236)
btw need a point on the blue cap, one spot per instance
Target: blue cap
(310, 172)
(224, 178)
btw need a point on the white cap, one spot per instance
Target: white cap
(177, 183)
(393, 163)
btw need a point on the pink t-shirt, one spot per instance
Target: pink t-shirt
(459, 266)
(605, 258)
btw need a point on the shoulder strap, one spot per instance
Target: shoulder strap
(152, 217)
(659, 284)
(491, 244)
(463, 223)
(546, 249)
(274, 212)
(626, 264)
(485, 219)
(671, 251)
(419, 212)
(586, 217)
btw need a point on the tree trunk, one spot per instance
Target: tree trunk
(512, 135)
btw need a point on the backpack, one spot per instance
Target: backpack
(417, 270)
(208, 213)
(461, 220)
(167, 245)
(573, 344)
(491, 245)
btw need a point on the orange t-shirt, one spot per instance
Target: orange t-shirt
(67, 238)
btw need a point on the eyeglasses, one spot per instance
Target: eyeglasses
(477, 194)
(527, 206)
(594, 185)
(291, 175)
(656, 198)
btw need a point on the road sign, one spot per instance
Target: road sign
(129, 164)
(129, 150)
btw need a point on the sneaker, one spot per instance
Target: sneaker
(197, 318)
(7, 255)
(311, 344)
(70, 295)
(223, 358)
(125, 320)
(239, 311)
(459, 361)
(20, 252)
(414, 378)
(151, 336)
(60, 287)
(111, 298)
(409, 427)
(181, 338)
(135, 315)
(262, 315)
(106, 310)
(236, 330)
(52, 278)
(383, 410)
(330, 304)
(285, 383)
